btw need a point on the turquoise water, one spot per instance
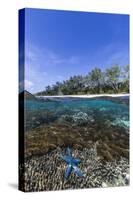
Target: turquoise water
(77, 111)
(76, 104)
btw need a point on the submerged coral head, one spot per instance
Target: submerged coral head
(72, 164)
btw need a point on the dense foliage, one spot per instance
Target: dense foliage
(112, 80)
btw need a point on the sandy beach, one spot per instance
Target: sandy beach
(86, 96)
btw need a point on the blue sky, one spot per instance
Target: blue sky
(60, 44)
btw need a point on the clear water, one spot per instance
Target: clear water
(78, 111)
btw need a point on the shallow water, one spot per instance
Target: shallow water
(97, 130)
(78, 111)
(78, 123)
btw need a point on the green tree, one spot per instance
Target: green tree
(48, 90)
(126, 78)
(113, 75)
(113, 80)
(96, 80)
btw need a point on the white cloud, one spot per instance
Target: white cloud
(41, 64)
(49, 58)
(28, 85)
(60, 78)
(40, 67)
(25, 85)
(109, 55)
(120, 58)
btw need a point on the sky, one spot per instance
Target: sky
(60, 44)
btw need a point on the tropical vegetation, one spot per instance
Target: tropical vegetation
(111, 80)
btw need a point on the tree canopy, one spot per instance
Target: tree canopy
(111, 80)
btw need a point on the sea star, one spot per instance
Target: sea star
(72, 164)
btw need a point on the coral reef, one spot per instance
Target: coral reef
(96, 130)
(112, 143)
(46, 172)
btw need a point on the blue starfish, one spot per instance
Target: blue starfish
(72, 164)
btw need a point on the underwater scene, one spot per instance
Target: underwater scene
(73, 143)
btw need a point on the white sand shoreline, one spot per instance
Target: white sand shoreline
(85, 96)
